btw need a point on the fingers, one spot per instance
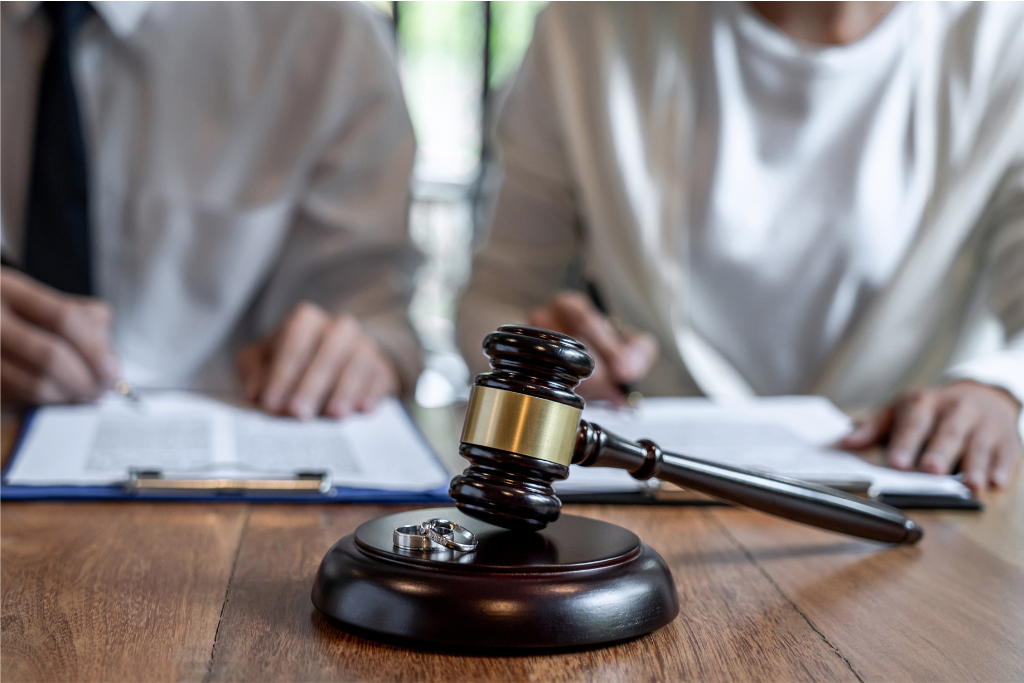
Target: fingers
(315, 363)
(296, 343)
(251, 364)
(638, 355)
(87, 326)
(912, 423)
(49, 359)
(871, 431)
(366, 378)
(620, 355)
(83, 322)
(336, 348)
(949, 439)
(18, 385)
(1006, 456)
(356, 376)
(989, 461)
(600, 386)
(544, 319)
(383, 383)
(963, 422)
(976, 461)
(574, 313)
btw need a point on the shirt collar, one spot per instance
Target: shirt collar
(122, 17)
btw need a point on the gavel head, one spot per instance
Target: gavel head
(520, 427)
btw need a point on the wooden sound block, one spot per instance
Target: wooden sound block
(578, 582)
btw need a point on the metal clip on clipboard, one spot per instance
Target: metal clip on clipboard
(154, 481)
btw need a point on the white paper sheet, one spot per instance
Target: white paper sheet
(189, 434)
(788, 435)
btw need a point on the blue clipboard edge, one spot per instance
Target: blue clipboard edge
(10, 492)
(362, 495)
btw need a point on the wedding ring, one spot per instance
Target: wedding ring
(442, 532)
(410, 538)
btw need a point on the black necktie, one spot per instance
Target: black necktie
(57, 216)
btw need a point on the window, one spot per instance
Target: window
(454, 59)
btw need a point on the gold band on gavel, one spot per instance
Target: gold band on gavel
(521, 424)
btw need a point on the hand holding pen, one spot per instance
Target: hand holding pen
(55, 346)
(621, 354)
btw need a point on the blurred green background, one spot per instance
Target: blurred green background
(456, 61)
(448, 51)
(511, 30)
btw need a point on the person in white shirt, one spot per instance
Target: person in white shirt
(777, 198)
(247, 172)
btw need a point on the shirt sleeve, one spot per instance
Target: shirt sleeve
(534, 231)
(348, 249)
(1004, 368)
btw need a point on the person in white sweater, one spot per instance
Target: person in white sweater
(777, 198)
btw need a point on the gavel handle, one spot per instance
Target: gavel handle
(799, 501)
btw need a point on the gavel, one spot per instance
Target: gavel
(523, 430)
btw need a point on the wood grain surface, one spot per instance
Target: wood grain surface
(734, 624)
(1000, 530)
(112, 591)
(9, 424)
(944, 610)
(136, 591)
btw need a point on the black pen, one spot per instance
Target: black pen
(628, 392)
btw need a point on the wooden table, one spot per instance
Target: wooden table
(177, 591)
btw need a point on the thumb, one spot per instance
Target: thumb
(871, 431)
(87, 326)
(542, 318)
(635, 357)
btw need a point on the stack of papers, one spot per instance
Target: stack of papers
(186, 435)
(789, 436)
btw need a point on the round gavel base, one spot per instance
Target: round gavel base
(577, 582)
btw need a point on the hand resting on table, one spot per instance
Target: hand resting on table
(313, 364)
(963, 423)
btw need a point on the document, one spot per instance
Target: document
(187, 435)
(789, 436)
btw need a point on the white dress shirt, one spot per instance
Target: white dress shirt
(243, 157)
(784, 218)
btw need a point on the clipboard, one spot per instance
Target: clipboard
(311, 487)
(152, 485)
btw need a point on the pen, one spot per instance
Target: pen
(632, 396)
(124, 388)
